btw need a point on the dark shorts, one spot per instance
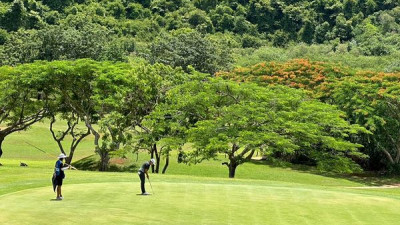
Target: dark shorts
(58, 181)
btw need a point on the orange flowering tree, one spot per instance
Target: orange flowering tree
(368, 98)
(373, 100)
(298, 73)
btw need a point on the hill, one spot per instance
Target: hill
(160, 30)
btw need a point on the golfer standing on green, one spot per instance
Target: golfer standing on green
(144, 171)
(59, 174)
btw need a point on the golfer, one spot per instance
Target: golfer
(144, 171)
(59, 175)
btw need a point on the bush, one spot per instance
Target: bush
(249, 41)
(338, 165)
(3, 36)
(393, 67)
(186, 48)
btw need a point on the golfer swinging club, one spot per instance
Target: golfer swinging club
(144, 170)
(59, 175)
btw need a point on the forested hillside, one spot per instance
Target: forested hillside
(210, 35)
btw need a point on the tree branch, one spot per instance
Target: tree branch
(25, 124)
(94, 132)
(386, 153)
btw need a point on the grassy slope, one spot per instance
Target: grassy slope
(200, 194)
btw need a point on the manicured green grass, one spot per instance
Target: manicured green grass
(23, 145)
(197, 194)
(110, 198)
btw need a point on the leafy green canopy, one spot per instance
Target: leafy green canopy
(110, 99)
(368, 98)
(372, 100)
(238, 119)
(24, 98)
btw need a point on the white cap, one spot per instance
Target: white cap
(153, 161)
(62, 156)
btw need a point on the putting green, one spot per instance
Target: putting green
(195, 203)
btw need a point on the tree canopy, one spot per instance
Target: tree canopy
(219, 116)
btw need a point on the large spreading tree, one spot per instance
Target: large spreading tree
(224, 117)
(24, 98)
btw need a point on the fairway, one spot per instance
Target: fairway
(200, 194)
(182, 200)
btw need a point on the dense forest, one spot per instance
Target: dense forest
(210, 35)
(342, 56)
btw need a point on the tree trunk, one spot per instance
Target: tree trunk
(397, 159)
(153, 148)
(75, 143)
(157, 162)
(104, 160)
(71, 155)
(1, 145)
(389, 157)
(232, 161)
(232, 169)
(154, 152)
(166, 164)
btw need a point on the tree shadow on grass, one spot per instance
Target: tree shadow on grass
(368, 178)
(91, 163)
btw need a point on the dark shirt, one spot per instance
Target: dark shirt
(144, 167)
(59, 171)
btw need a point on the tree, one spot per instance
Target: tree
(237, 120)
(22, 46)
(73, 85)
(65, 42)
(15, 16)
(93, 92)
(222, 18)
(137, 11)
(307, 32)
(116, 9)
(321, 32)
(185, 49)
(58, 5)
(3, 36)
(349, 8)
(199, 20)
(280, 38)
(24, 98)
(205, 5)
(111, 98)
(370, 7)
(343, 29)
(242, 26)
(73, 130)
(263, 14)
(159, 137)
(372, 100)
(152, 130)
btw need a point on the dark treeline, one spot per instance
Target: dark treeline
(161, 30)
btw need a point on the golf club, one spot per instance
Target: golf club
(52, 156)
(150, 185)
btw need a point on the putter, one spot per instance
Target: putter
(151, 186)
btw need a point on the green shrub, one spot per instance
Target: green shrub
(338, 165)
(3, 36)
